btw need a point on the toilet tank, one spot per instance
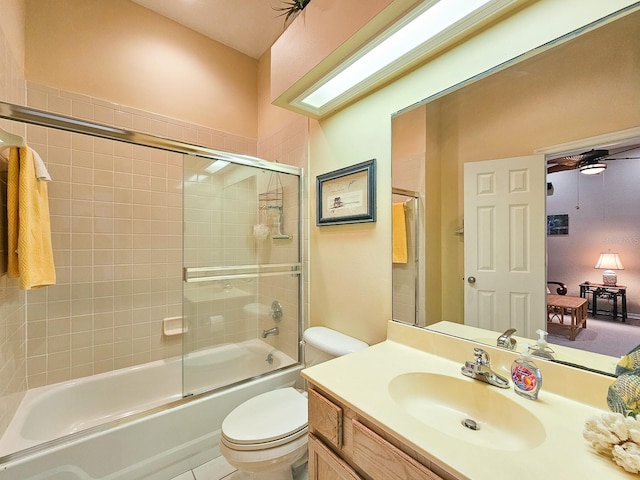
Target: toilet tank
(322, 344)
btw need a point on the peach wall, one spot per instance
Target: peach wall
(12, 22)
(121, 52)
(307, 46)
(13, 374)
(271, 119)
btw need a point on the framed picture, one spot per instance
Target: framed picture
(347, 195)
(558, 224)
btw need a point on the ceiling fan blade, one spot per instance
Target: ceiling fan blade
(571, 162)
(560, 168)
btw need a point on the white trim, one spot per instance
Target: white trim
(611, 139)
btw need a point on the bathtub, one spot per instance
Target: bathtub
(133, 423)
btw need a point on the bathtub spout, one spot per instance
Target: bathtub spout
(271, 331)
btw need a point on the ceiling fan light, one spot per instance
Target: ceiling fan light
(593, 167)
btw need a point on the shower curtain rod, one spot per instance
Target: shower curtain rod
(41, 118)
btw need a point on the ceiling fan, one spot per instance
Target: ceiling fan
(589, 163)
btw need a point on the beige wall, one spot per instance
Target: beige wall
(119, 51)
(357, 299)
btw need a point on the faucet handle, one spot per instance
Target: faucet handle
(482, 357)
(506, 341)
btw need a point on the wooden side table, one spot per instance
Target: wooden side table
(574, 307)
(606, 292)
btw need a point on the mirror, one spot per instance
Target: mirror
(408, 213)
(579, 88)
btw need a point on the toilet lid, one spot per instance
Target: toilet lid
(267, 418)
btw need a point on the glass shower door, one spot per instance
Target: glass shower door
(242, 272)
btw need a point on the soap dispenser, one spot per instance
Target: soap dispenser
(526, 376)
(542, 349)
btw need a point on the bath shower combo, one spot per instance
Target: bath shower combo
(231, 351)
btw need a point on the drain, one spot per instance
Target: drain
(470, 424)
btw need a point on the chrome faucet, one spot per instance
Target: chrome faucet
(506, 341)
(271, 331)
(480, 369)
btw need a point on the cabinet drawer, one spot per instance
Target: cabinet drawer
(326, 465)
(381, 460)
(325, 419)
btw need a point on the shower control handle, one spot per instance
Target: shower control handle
(276, 311)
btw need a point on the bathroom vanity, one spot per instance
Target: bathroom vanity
(343, 443)
(396, 411)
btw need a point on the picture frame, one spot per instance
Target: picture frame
(347, 195)
(558, 224)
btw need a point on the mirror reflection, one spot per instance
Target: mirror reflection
(578, 96)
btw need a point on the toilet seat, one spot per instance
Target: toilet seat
(268, 420)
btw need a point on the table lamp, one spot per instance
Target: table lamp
(609, 262)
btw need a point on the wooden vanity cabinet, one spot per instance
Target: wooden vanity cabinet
(344, 446)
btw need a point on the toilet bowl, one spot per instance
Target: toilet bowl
(267, 434)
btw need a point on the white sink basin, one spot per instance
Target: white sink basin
(443, 402)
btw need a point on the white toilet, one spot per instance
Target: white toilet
(267, 434)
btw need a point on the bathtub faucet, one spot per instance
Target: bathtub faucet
(271, 331)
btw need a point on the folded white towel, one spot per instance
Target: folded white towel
(42, 173)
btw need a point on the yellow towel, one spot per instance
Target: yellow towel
(28, 224)
(399, 227)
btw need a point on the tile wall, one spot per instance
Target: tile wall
(117, 235)
(12, 300)
(116, 212)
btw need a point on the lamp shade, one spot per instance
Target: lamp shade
(609, 262)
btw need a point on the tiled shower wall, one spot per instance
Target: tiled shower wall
(12, 300)
(117, 236)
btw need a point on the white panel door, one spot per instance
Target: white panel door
(505, 244)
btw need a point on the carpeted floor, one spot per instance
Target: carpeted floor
(602, 335)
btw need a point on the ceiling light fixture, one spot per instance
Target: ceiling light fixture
(592, 167)
(409, 40)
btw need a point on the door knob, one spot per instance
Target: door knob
(471, 279)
